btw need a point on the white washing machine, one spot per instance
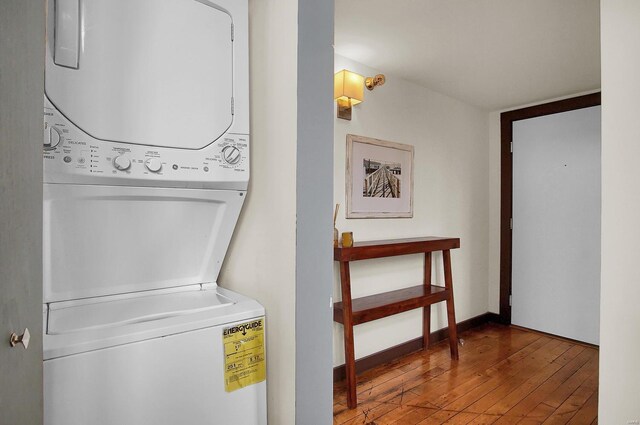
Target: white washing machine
(146, 166)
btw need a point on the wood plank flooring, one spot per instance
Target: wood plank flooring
(504, 376)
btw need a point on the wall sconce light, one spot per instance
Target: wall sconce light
(372, 82)
(348, 90)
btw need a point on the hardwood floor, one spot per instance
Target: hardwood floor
(504, 376)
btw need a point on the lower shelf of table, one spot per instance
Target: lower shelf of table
(385, 304)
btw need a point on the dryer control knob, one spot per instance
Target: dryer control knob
(52, 138)
(121, 163)
(231, 155)
(153, 164)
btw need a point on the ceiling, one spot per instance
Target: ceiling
(493, 54)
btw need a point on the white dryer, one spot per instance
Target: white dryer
(146, 166)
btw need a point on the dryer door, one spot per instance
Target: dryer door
(147, 72)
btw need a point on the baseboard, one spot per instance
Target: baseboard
(411, 346)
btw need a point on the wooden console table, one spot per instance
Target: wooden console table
(351, 312)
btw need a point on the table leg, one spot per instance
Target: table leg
(347, 321)
(451, 313)
(426, 311)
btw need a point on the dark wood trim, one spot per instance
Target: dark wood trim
(506, 190)
(393, 353)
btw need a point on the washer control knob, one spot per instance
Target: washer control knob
(121, 163)
(231, 155)
(153, 164)
(53, 138)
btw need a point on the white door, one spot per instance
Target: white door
(21, 85)
(556, 224)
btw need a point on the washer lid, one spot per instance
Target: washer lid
(80, 326)
(109, 312)
(107, 240)
(146, 72)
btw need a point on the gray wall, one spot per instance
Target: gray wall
(21, 88)
(314, 238)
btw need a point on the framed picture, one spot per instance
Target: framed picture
(379, 180)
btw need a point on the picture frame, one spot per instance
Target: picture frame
(379, 178)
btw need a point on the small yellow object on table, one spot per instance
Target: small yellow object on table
(347, 239)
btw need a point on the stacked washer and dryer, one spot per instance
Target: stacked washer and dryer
(146, 166)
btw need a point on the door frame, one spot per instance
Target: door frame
(506, 182)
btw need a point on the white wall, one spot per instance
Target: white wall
(261, 260)
(620, 286)
(451, 198)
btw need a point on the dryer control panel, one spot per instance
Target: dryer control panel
(72, 156)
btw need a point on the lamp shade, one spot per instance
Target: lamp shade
(348, 85)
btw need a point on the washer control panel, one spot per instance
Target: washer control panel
(121, 162)
(72, 156)
(153, 164)
(231, 154)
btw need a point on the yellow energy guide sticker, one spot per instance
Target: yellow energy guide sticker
(244, 362)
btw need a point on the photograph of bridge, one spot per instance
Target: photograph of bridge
(381, 179)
